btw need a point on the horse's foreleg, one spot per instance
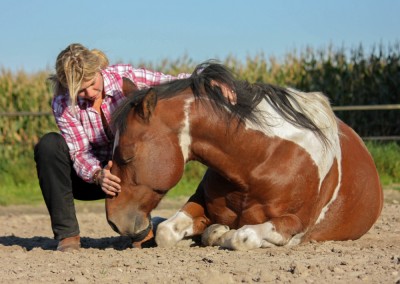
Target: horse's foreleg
(276, 232)
(174, 229)
(191, 220)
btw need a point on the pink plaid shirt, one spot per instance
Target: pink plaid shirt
(83, 130)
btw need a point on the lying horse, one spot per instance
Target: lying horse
(282, 169)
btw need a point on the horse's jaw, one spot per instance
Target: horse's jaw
(131, 223)
(128, 214)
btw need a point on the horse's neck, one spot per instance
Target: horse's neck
(211, 141)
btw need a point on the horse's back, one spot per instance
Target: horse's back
(359, 199)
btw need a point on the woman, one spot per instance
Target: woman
(75, 164)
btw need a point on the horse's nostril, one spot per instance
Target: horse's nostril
(113, 226)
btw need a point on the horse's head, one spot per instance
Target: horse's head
(148, 160)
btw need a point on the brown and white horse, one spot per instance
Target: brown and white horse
(282, 169)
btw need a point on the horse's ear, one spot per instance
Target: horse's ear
(128, 87)
(149, 104)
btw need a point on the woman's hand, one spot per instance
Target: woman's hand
(227, 92)
(109, 183)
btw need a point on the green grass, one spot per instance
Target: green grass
(387, 160)
(30, 194)
(19, 184)
(27, 193)
(188, 184)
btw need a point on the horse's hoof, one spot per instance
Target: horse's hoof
(213, 233)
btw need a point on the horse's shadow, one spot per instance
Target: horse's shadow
(46, 243)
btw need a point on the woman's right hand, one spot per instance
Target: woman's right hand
(109, 183)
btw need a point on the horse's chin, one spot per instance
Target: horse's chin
(143, 234)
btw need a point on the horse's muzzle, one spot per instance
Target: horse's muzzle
(131, 229)
(140, 236)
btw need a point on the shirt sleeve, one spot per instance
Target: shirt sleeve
(84, 161)
(144, 78)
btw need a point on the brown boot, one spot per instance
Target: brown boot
(69, 244)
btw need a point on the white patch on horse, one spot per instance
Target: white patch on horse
(174, 229)
(248, 237)
(184, 136)
(295, 240)
(256, 236)
(335, 193)
(318, 109)
(215, 235)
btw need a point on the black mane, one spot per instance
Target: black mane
(248, 97)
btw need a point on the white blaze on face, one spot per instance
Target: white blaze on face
(184, 136)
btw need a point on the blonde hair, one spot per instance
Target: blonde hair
(74, 65)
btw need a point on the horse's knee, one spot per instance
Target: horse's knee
(165, 237)
(49, 140)
(50, 146)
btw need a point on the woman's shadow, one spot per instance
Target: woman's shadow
(46, 243)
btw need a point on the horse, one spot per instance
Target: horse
(282, 169)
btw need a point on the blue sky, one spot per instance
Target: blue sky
(33, 32)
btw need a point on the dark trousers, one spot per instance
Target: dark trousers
(60, 185)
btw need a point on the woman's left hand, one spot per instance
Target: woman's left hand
(109, 183)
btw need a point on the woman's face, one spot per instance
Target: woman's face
(92, 90)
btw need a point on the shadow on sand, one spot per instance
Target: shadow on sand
(46, 243)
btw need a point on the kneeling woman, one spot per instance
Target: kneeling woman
(75, 163)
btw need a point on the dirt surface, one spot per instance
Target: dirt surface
(27, 254)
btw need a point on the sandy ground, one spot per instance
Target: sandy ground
(27, 254)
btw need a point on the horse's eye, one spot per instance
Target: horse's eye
(126, 161)
(122, 161)
(160, 191)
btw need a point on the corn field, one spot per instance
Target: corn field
(347, 77)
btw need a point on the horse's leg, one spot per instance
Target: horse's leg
(217, 235)
(276, 232)
(191, 220)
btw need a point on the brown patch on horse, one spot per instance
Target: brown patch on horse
(360, 199)
(195, 209)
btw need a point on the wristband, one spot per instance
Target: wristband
(95, 177)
